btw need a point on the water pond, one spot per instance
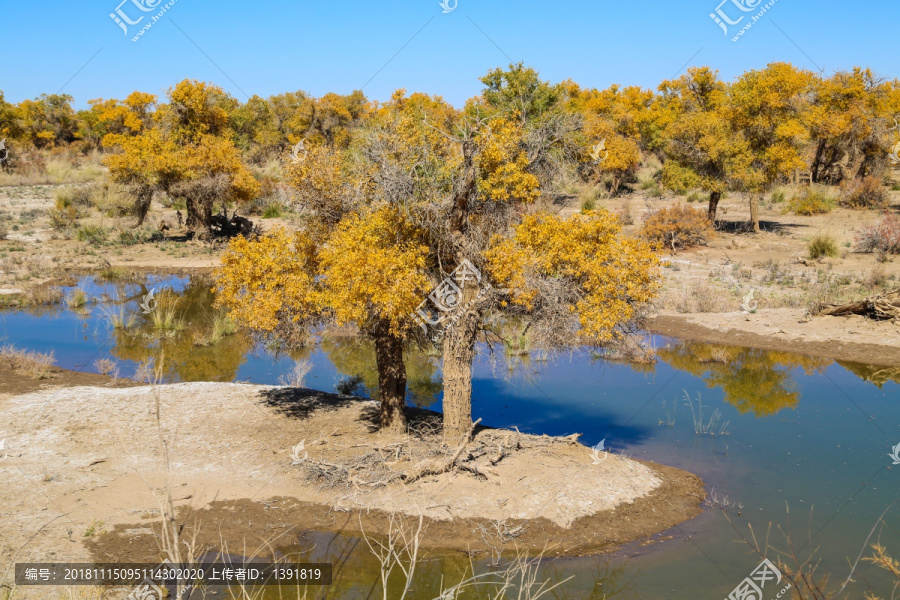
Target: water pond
(767, 431)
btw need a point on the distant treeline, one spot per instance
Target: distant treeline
(766, 127)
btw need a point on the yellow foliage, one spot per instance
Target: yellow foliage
(319, 182)
(195, 109)
(369, 267)
(503, 164)
(677, 227)
(272, 279)
(615, 274)
(373, 267)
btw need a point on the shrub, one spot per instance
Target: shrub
(95, 234)
(588, 205)
(75, 195)
(677, 227)
(625, 215)
(63, 216)
(811, 201)
(777, 197)
(33, 364)
(106, 366)
(296, 377)
(695, 197)
(112, 200)
(822, 245)
(130, 237)
(867, 192)
(272, 211)
(882, 236)
(351, 386)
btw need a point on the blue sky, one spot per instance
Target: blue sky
(268, 47)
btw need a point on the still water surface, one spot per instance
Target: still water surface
(812, 435)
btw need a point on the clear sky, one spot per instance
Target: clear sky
(266, 47)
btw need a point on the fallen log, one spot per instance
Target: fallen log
(882, 307)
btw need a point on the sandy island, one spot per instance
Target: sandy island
(85, 475)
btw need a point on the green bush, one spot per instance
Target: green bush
(95, 234)
(822, 245)
(655, 192)
(811, 201)
(273, 211)
(695, 197)
(777, 197)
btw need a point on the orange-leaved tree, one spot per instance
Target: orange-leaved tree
(487, 203)
(850, 116)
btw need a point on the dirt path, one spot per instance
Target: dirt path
(86, 473)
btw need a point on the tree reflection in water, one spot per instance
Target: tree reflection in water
(198, 341)
(753, 380)
(355, 356)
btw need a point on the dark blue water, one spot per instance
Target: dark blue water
(806, 435)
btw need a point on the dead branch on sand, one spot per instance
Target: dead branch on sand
(423, 454)
(882, 307)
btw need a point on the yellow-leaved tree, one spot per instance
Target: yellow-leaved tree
(849, 119)
(576, 280)
(420, 191)
(700, 146)
(365, 271)
(188, 153)
(767, 112)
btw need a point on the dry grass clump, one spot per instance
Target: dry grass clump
(867, 192)
(699, 296)
(33, 364)
(297, 375)
(676, 228)
(106, 366)
(822, 245)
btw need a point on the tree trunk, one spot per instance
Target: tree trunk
(754, 211)
(714, 198)
(144, 196)
(391, 379)
(817, 162)
(459, 352)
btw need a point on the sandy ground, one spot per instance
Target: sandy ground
(86, 473)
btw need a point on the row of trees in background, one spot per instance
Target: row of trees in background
(743, 136)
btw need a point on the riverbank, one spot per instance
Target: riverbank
(851, 338)
(87, 475)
